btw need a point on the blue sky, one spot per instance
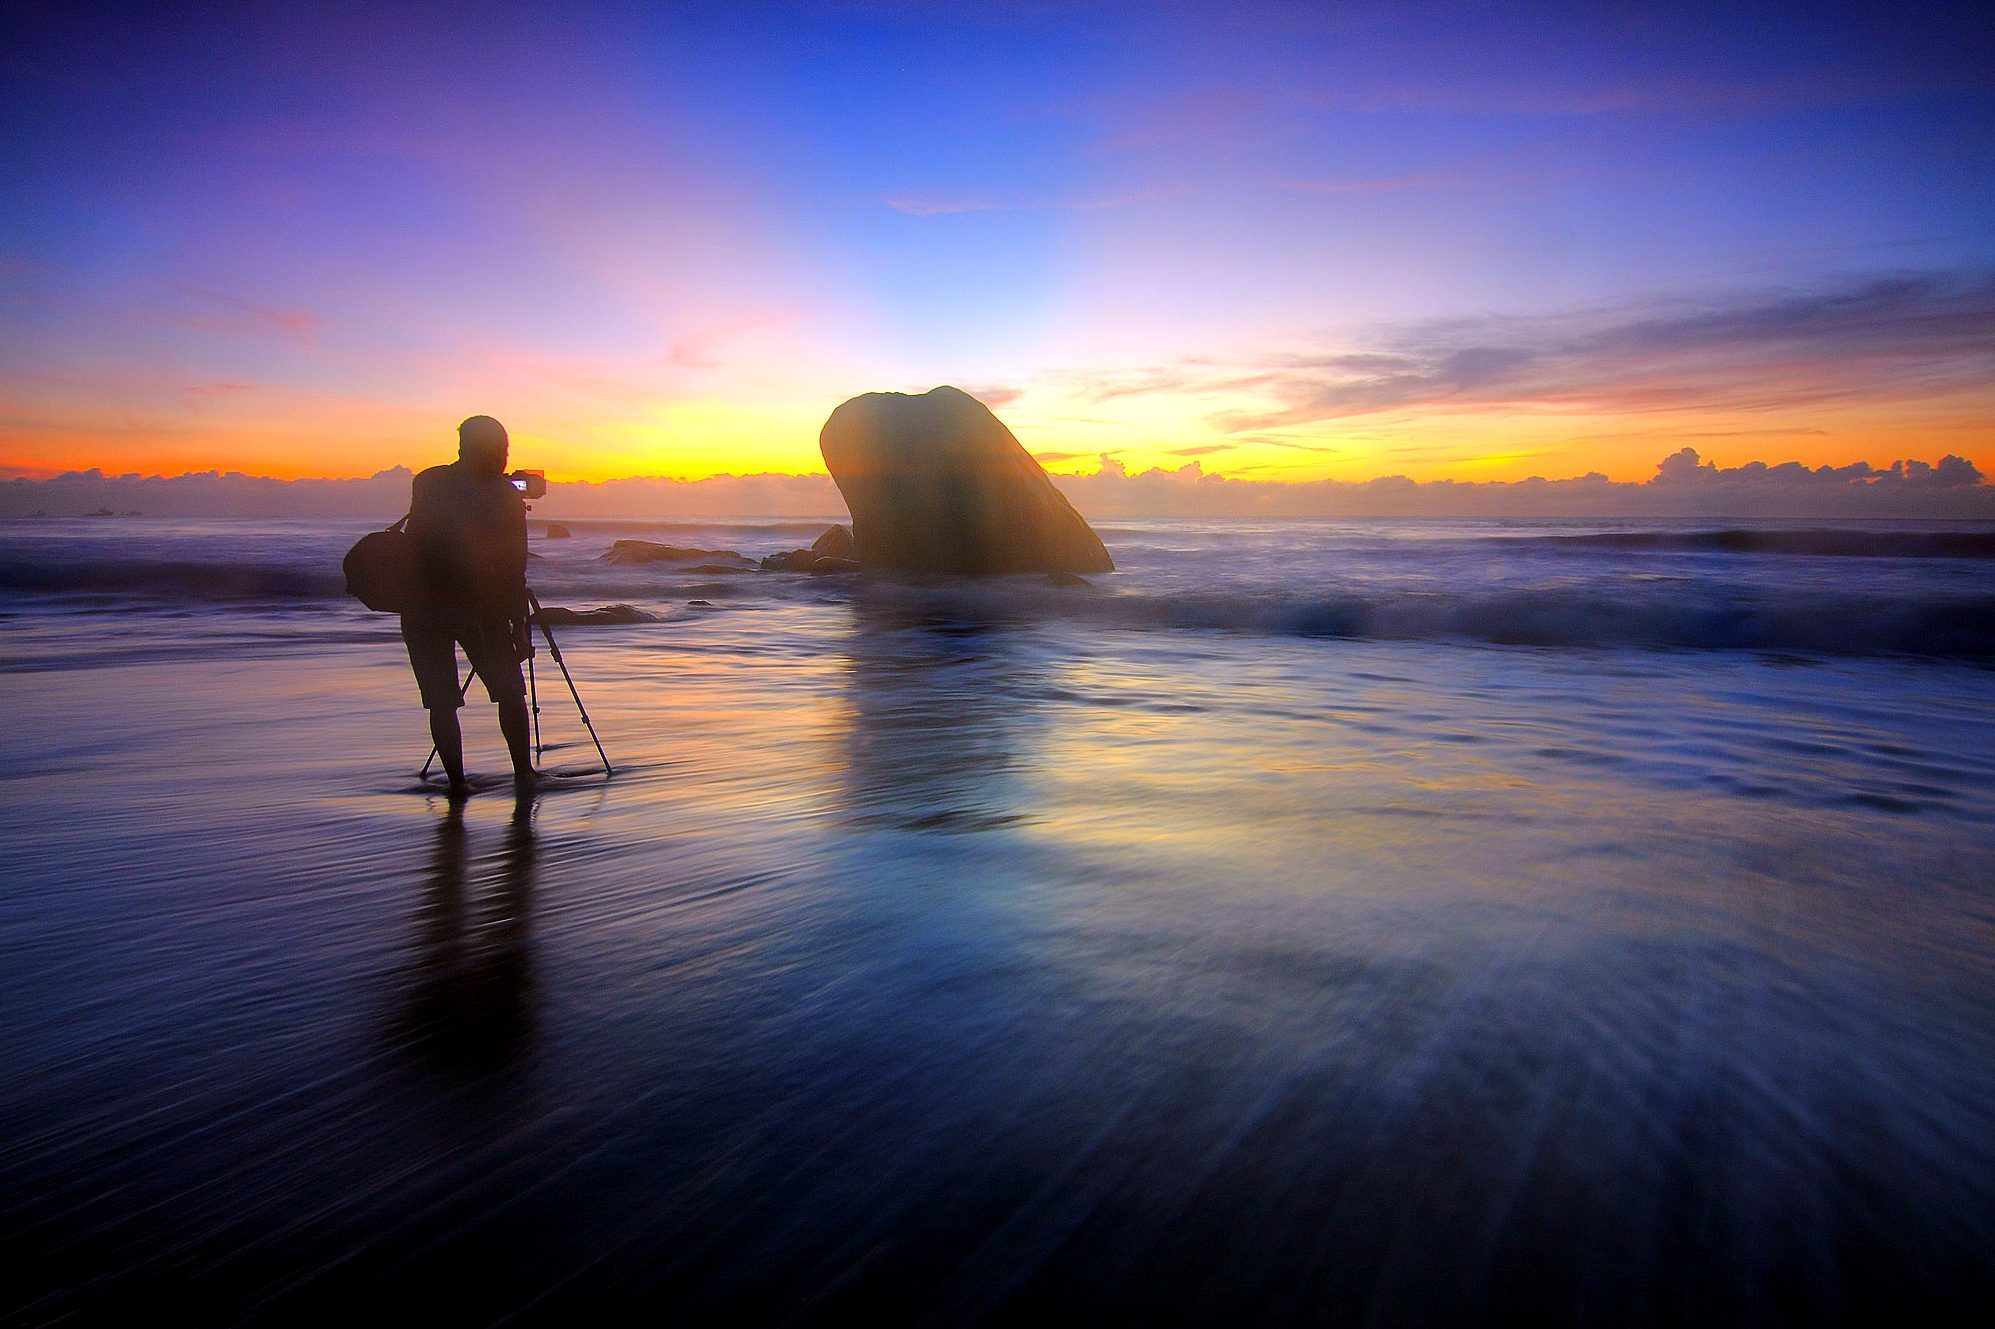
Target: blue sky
(670, 238)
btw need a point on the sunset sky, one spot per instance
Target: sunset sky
(1280, 241)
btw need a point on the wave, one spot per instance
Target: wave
(1953, 626)
(189, 580)
(1678, 613)
(1825, 543)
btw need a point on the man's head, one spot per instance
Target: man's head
(481, 441)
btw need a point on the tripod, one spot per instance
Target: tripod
(553, 649)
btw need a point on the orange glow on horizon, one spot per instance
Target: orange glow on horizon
(289, 436)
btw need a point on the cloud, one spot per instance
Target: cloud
(1686, 468)
(385, 495)
(295, 323)
(995, 395)
(1269, 441)
(1881, 338)
(1098, 386)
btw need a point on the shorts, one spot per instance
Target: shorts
(432, 640)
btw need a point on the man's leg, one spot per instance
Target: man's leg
(513, 724)
(433, 656)
(489, 646)
(449, 743)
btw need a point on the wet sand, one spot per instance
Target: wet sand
(955, 971)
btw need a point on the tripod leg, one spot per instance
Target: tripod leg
(554, 649)
(462, 693)
(533, 691)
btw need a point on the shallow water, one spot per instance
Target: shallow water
(959, 954)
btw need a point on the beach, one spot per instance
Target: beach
(1369, 922)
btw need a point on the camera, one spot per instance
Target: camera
(531, 483)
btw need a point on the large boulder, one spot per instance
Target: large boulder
(936, 483)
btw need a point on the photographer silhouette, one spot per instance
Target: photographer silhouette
(467, 521)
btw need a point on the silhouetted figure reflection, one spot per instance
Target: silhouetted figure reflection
(469, 999)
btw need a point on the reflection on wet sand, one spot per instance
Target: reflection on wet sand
(940, 737)
(467, 1004)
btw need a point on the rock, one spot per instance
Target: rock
(796, 560)
(555, 616)
(827, 566)
(936, 483)
(647, 551)
(556, 531)
(724, 569)
(834, 543)
(699, 604)
(1067, 579)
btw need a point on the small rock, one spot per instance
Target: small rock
(722, 568)
(699, 604)
(1067, 579)
(559, 617)
(556, 531)
(649, 551)
(834, 543)
(796, 560)
(826, 566)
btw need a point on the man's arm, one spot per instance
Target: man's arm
(515, 558)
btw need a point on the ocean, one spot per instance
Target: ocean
(1364, 921)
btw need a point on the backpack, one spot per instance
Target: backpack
(381, 570)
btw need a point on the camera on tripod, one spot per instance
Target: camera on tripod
(533, 484)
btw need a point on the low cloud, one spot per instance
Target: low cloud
(1684, 485)
(995, 395)
(384, 496)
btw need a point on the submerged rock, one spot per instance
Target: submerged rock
(649, 551)
(834, 543)
(936, 483)
(1068, 579)
(795, 560)
(556, 531)
(809, 560)
(557, 616)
